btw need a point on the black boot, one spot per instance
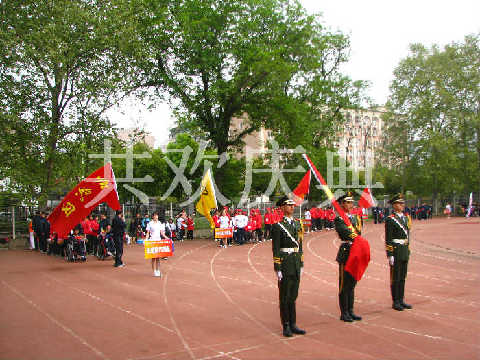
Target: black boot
(285, 319)
(351, 300)
(395, 296)
(401, 295)
(287, 332)
(293, 318)
(345, 315)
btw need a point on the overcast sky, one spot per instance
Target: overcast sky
(380, 32)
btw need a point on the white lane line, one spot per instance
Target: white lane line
(56, 322)
(101, 300)
(170, 314)
(248, 315)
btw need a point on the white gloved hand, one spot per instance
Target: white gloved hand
(391, 260)
(279, 275)
(301, 271)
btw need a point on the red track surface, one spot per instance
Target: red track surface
(217, 303)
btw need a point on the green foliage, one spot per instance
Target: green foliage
(433, 119)
(265, 61)
(57, 76)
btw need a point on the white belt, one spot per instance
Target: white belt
(400, 241)
(346, 242)
(289, 250)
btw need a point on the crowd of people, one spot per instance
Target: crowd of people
(100, 236)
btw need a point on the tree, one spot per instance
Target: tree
(265, 61)
(433, 118)
(57, 76)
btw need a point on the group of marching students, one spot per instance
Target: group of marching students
(317, 218)
(176, 229)
(245, 228)
(92, 236)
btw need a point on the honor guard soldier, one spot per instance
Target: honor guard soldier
(397, 233)
(346, 282)
(288, 264)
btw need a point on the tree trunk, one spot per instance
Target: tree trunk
(52, 141)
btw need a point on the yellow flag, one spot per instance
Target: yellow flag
(207, 200)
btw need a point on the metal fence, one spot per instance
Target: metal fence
(14, 220)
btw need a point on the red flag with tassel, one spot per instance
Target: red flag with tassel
(98, 187)
(359, 256)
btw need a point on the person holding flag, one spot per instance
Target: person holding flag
(354, 253)
(207, 200)
(288, 265)
(347, 234)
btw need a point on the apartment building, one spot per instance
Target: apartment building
(358, 140)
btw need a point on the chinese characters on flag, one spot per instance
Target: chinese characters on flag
(97, 188)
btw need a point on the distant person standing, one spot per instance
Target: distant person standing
(118, 231)
(448, 210)
(44, 232)
(190, 227)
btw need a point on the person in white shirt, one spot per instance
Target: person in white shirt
(308, 223)
(181, 225)
(225, 223)
(156, 231)
(240, 221)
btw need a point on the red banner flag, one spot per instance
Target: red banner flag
(98, 187)
(366, 200)
(302, 189)
(359, 256)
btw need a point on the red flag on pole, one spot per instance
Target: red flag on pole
(302, 189)
(98, 187)
(366, 200)
(359, 256)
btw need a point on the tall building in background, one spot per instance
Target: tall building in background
(361, 137)
(357, 142)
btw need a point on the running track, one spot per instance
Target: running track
(215, 303)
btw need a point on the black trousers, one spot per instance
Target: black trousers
(268, 228)
(240, 238)
(118, 241)
(346, 290)
(189, 234)
(288, 293)
(398, 274)
(42, 242)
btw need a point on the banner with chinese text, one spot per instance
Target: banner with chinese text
(158, 248)
(223, 233)
(95, 189)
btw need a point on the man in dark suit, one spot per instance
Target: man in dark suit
(288, 264)
(43, 232)
(397, 243)
(118, 230)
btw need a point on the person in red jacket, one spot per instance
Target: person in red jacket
(190, 227)
(330, 215)
(314, 215)
(88, 232)
(322, 213)
(267, 220)
(258, 223)
(250, 228)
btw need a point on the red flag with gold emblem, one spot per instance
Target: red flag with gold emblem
(359, 256)
(99, 187)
